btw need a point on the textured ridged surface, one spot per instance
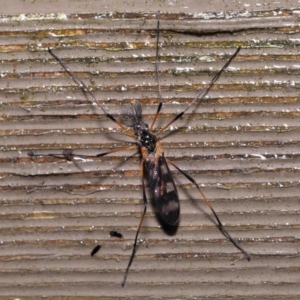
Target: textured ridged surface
(241, 144)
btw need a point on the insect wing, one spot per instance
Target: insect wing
(131, 113)
(164, 191)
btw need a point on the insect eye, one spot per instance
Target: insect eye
(137, 127)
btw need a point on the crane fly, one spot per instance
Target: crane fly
(153, 161)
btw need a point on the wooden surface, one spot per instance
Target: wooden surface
(241, 144)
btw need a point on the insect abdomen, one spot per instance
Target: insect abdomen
(163, 189)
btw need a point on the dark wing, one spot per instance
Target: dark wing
(164, 190)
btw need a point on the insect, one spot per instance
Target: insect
(153, 161)
(95, 250)
(116, 234)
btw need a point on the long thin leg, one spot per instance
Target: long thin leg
(201, 94)
(139, 227)
(157, 74)
(67, 154)
(84, 87)
(219, 223)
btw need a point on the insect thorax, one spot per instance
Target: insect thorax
(144, 137)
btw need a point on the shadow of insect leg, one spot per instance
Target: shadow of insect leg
(219, 223)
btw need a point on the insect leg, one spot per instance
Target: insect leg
(67, 154)
(219, 223)
(84, 87)
(202, 93)
(157, 74)
(139, 227)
